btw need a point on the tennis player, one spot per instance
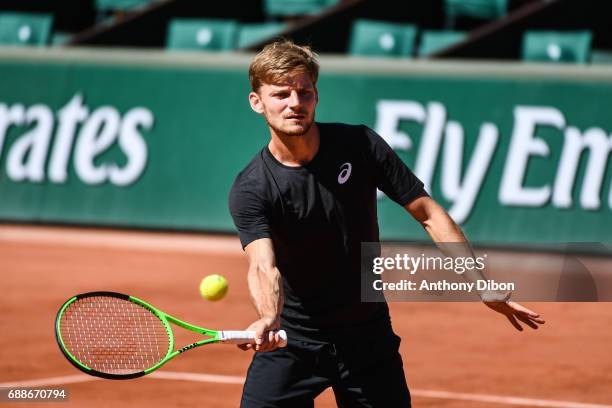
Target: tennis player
(302, 208)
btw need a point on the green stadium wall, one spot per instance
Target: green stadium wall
(517, 154)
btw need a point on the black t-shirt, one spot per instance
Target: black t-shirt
(317, 216)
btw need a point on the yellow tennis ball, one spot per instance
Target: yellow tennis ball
(213, 287)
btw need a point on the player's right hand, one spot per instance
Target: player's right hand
(266, 335)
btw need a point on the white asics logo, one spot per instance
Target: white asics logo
(345, 173)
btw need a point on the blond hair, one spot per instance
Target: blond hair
(279, 60)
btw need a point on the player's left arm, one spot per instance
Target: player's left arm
(442, 229)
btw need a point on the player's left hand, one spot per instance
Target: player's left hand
(514, 312)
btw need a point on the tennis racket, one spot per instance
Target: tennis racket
(116, 336)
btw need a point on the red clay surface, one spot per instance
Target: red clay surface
(452, 347)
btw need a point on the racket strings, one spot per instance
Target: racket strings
(113, 335)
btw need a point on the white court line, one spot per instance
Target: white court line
(232, 379)
(122, 240)
(68, 379)
(221, 379)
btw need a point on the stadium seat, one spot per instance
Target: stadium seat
(434, 41)
(120, 5)
(212, 35)
(25, 28)
(379, 38)
(480, 9)
(295, 7)
(557, 46)
(249, 34)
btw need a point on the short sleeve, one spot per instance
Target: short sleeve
(393, 177)
(249, 212)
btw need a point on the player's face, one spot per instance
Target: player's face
(288, 107)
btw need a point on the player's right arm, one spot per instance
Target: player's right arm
(265, 286)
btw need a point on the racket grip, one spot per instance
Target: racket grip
(247, 336)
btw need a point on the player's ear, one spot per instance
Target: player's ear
(255, 101)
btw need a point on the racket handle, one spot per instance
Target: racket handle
(246, 336)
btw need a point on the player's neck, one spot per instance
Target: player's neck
(295, 151)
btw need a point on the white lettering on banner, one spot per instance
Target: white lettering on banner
(523, 145)
(462, 186)
(13, 116)
(430, 143)
(97, 135)
(98, 131)
(435, 132)
(133, 145)
(388, 116)
(464, 193)
(599, 145)
(70, 116)
(26, 159)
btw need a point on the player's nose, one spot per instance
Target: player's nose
(294, 99)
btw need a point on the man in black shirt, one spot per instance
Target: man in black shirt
(302, 208)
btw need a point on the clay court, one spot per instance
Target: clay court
(455, 354)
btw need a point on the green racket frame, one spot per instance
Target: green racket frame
(165, 318)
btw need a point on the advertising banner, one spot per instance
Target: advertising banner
(516, 158)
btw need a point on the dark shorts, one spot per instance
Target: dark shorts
(362, 373)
